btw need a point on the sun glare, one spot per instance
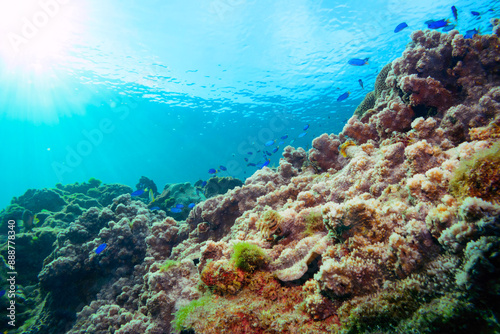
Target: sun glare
(37, 32)
(37, 37)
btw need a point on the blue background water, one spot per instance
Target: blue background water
(170, 90)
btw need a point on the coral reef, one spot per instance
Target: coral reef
(478, 176)
(370, 98)
(146, 183)
(177, 194)
(220, 185)
(391, 226)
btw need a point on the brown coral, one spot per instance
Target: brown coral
(371, 97)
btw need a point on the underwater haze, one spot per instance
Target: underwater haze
(120, 89)
(249, 166)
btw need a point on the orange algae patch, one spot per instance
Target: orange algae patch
(262, 306)
(491, 131)
(222, 278)
(344, 146)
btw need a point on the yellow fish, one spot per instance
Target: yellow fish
(151, 196)
(345, 145)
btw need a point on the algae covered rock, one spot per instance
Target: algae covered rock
(38, 200)
(32, 248)
(220, 185)
(371, 97)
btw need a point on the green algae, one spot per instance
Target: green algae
(184, 312)
(314, 222)
(168, 264)
(248, 257)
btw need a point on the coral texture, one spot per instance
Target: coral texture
(391, 226)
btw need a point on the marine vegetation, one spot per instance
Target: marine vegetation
(314, 222)
(401, 237)
(248, 257)
(478, 176)
(169, 264)
(185, 311)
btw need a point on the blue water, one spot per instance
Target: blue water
(168, 89)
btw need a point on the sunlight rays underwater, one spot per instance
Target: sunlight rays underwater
(38, 43)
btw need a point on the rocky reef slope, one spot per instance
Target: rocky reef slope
(391, 226)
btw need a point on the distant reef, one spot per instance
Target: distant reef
(44, 218)
(391, 226)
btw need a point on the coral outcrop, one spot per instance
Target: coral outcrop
(391, 226)
(370, 98)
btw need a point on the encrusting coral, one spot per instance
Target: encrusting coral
(390, 226)
(370, 98)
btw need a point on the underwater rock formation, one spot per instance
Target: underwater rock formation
(370, 98)
(400, 235)
(59, 206)
(220, 185)
(391, 226)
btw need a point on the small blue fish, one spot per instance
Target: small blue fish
(204, 183)
(275, 149)
(284, 137)
(400, 27)
(438, 24)
(475, 13)
(137, 193)
(306, 127)
(358, 62)
(2, 292)
(470, 33)
(100, 248)
(302, 134)
(361, 83)
(175, 210)
(281, 143)
(268, 153)
(246, 159)
(269, 143)
(155, 208)
(264, 164)
(191, 205)
(251, 164)
(222, 168)
(179, 206)
(212, 171)
(250, 153)
(449, 27)
(429, 22)
(343, 96)
(455, 12)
